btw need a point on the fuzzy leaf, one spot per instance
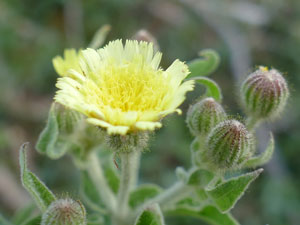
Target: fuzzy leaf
(151, 216)
(205, 65)
(264, 157)
(209, 214)
(226, 194)
(142, 194)
(36, 188)
(200, 177)
(212, 88)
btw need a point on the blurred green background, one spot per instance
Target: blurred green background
(244, 33)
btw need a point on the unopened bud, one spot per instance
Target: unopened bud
(65, 212)
(264, 93)
(229, 145)
(204, 115)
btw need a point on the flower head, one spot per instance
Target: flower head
(64, 212)
(229, 145)
(204, 115)
(264, 93)
(122, 88)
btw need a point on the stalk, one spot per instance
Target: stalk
(129, 174)
(95, 171)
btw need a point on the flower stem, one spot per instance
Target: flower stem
(129, 174)
(96, 173)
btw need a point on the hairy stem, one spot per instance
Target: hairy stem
(96, 173)
(129, 174)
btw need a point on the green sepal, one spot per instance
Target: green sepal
(42, 196)
(209, 214)
(212, 88)
(262, 158)
(142, 193)
(205, 65)
(152, 215)
(200, 178)
(226, 194)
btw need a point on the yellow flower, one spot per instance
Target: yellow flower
(122, 88)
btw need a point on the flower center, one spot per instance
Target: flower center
(129, 86)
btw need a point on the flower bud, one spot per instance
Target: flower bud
(204, 115)
(264, 93)
(229, 145)
(64, 212)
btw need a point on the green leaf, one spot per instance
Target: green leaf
(141, 194)
(36, 188)
(205, 65)
(209, 213)
(151, 216)
(212, 88)
(263, 158)
(200, 177)
(23, 214)
(226, 194)
(34, 221)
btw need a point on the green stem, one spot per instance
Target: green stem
(129, 174)
(96, 173)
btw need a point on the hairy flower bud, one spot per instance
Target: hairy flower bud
(229, 145)
(65, 212)
(204, 115)
(264, 93)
